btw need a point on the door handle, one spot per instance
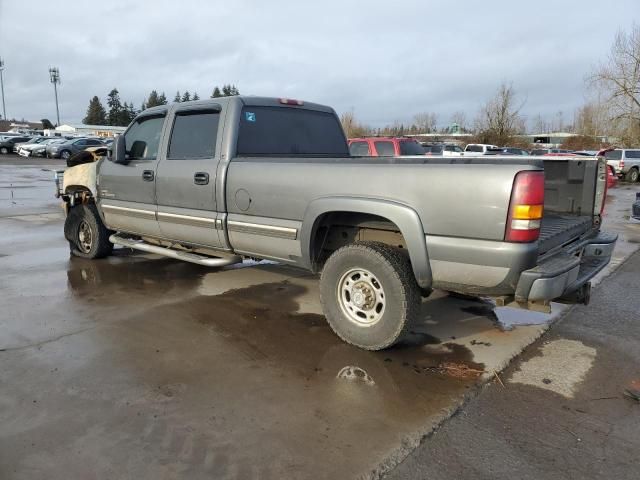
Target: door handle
(201, 178)
(147, 175)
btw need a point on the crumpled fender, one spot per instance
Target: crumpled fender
(84, 175)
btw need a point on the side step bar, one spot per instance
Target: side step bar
(177, 254)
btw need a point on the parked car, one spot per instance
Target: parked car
(71, 147)
(31, 141)
(384, 147)
(544, 151)
(482, 149)
(442, 149)
(515, 151)
(626, 162)
(6, 146)
(37, 149)
(213, 181)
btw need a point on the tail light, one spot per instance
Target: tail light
(621, 164)
(525, 208)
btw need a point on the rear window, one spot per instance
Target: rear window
(632, 154)
(288, 131)
(613, 155)
(359, 149)
(385, 149)
(411, 148)
(473, 148)
(436, 149)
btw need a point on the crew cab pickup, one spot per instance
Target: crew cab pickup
(216, 181)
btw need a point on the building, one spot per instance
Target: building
(85, 130)
(556, 139)
(20, 127)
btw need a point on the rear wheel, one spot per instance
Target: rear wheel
(369, 294)
(632, 175)
(4, 150)
(65, 154)
(87, 235)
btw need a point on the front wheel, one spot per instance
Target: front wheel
(632, 175)
(65, 154)
(87, 235)
(4, 150)
(369, 294)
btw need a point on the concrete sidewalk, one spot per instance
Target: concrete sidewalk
(563, 413)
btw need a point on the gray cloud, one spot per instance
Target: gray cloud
(387, 63)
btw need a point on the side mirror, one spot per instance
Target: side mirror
(119, 150)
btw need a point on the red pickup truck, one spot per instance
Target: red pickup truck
(384, 147)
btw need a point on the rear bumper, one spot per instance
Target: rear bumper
(567, 272)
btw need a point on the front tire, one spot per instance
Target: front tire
(87, 235)
(4, 150)
(369, 294)
(632, 175)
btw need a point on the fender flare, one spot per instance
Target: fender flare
(403, 216)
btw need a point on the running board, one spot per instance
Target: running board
(177, 254)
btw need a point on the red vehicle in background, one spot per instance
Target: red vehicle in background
(384, 147)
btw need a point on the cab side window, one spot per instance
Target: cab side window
(143, 138)
(194, 135)
(385, 149)
(359, 149)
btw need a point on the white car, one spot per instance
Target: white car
(37, 149)
(481, 149)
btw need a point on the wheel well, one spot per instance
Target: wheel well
(333, 230)
(77, 194)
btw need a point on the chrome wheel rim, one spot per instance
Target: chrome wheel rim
(85, 237)
(361, 297)
(65, 155)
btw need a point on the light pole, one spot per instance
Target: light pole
(54, 75)
(4, 109)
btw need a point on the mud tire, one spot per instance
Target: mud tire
(392, 269)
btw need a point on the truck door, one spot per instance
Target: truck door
(186, 183)
(127, 191)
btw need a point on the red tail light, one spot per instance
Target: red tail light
(291, 101)
(525, 208)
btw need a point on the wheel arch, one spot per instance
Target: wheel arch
(403, 217)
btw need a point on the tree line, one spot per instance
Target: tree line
(119, 113)
(612, 109)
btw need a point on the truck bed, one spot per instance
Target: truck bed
(558, 229)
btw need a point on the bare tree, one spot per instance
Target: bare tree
(426, 122)
(499, 119)
(619, 78)
(352, 128)
(460, 119)
(540, 125)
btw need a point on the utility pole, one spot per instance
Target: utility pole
(54, 75)
(4, 109)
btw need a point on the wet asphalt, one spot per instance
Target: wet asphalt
(138, 366)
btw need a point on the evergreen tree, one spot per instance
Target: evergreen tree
(46, 124)
(177, 98)
(114, 117)
(96, 114)
(195, 96)
(216, 93)
(128, 114)
(234, 90)
(153, 100)
(226, 91)
(186, 97)
(162, 99)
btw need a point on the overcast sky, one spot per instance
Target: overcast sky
(385, 60)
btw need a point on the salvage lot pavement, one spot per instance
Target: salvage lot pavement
(143, 367)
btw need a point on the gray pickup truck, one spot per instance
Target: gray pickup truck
(216, 181)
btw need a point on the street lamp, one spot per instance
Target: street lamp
(54, 75)
(4, 109)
